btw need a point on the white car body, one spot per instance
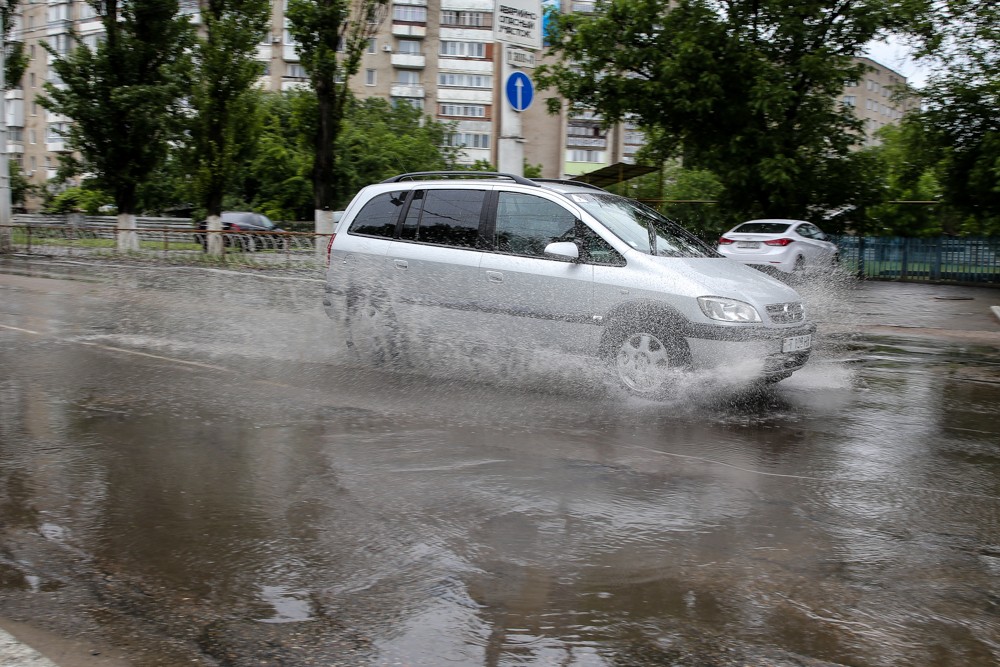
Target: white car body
(535, 267)
(786, 245)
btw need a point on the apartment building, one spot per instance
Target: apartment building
(442, 56)
(874, 100)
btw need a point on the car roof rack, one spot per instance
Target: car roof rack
(566, 181)
(428, 175)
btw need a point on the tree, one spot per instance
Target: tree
(15, 62)
(746, 89)
(380, 140)
(960, 121)
(124, 98)
(225, 124)
(332, 36)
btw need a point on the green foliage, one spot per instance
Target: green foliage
(124, 97)
(78, 199)
(532, 170)
(380, 140)
(746, 90)
(20, 187)
(332, 36)
(15, 59)
(226, 123)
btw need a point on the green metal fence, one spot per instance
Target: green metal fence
(941, 259)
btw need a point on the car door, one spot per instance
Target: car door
(817, 252)
(433, 265)
(533, 300)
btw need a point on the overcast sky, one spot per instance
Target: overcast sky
(896, 56)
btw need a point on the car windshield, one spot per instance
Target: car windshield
(641, 227)
(762, 228)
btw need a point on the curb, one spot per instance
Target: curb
(15, 654)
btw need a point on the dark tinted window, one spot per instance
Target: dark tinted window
(762, 228)
(378, 217)
(526, 224)
(444, 217)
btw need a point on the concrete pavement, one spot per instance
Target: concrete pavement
(15, 654)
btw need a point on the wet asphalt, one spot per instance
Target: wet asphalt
(194, 470)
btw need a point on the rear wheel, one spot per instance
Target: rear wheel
(800, 265)
(648, 361)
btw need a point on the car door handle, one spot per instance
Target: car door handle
(400, 263)
(494, 276)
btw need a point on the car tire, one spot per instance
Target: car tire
(799, 267)
(648, 360)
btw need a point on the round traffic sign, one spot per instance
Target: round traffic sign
(520, 91)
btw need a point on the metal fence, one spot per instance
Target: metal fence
(170, 240)
(940, 259)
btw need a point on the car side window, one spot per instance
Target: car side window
(525, 224)
(444, 217)
(378, 217)
(808, 231)
(596, 249)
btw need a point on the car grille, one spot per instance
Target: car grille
(786, 313)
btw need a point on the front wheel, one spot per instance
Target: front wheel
(649, 362)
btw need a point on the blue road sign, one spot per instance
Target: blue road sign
(520, 91)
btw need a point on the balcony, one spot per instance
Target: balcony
(589, 142)
(407, 90)
(408, 30)
(411, 60)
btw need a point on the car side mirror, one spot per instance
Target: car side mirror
(565, 249)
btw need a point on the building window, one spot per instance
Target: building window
(415, 102)
(464, 49)
(408, 77)
(371, 45)
(409, 14)
(371, 77)
(579, 155)
(409, 47)
(451, 80)
(468, 140)
(467, 19)
(56, 132)
(850, 100)
(468, 110)
(295, 71)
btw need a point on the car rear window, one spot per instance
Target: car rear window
(378, 217)
(762, 228)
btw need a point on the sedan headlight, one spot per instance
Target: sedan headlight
(728, 310)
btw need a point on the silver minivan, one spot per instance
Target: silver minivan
(506, 261)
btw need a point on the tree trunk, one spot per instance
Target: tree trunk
(214, 242)
(128, 237)
(324, 230)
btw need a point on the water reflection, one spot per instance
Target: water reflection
(848, 515)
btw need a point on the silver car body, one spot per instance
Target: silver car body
(495, 293)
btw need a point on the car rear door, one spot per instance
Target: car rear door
(433, 266)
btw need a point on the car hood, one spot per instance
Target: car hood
(721, 276)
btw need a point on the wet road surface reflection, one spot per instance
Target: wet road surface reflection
(192, 468)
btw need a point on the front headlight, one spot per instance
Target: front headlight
(728, 310)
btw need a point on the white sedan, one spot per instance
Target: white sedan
(791, 246)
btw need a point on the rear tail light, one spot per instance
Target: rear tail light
(329, 248)
(779, 242)
(724, 241)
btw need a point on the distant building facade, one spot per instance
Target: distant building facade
(441, 56)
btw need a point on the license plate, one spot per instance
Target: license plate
(747, 244)
(796, 343)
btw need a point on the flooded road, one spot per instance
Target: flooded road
(194, 471)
